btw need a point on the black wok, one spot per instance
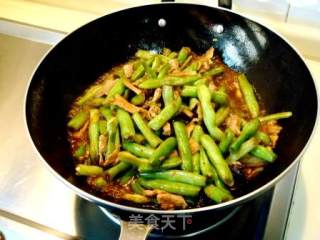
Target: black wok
(277, 71)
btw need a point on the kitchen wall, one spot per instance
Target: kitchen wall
(297, 20)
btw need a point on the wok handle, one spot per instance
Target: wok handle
(133, 231)
(221, 3)
(225, 3)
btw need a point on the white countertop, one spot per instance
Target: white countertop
(304, 219)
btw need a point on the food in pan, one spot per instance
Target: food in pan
(171, 130)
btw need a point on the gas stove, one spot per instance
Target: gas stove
(35, 205)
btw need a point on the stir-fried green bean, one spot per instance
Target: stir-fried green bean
(275, 116)
(217, 159)
(151, 137)
(138, 150)
(249, 129)
(163, 151)
(168, 80)
(245, 148)
(263, 153)
(88, 170)
(78, 120)
(177, 176)
(126, 124)
(165, 115)
(142, 164)
(117, 169)
(167, 94)
(217, 194)
(138, 99)
(183, 145)
(94, 135)
(112, 129)
(172, 162)
(171, 187)
(249, 96)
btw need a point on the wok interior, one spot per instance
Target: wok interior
(277, 72)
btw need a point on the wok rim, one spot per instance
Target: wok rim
(237, 201)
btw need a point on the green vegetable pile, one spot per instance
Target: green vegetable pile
(171, 126)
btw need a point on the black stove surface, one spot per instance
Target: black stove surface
(246, 222)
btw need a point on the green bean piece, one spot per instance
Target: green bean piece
(117, 169)
(163, 71)
(127, 176)
(117, 141)
(138, 72)
(106, 112)
(196, 133)
(171, 163)
(201, 81)
(167, 94)
(168, 80)
(221, 115)
(248, 94)
(96, 102)
(249, 129)
(136, 188)
(138, 99)
(193, 103)
(117, 89)
(165, 115)
(140, 163)
(139, 138)
(88, 170)
(80, 151)
(138, 150)
(103, 127)
(156, 63)
(217, 133)
(151, 73)
(183, 145)
(226, 141)
(186, 62)
(94, 134)
(126, 124)
(263, 153)
(219, 97)
(193, 67)
(183, 54)
(245, 148)
(151, 137)
(99, 182)
(196, 163)
(145, 54)
(112, 128)
(214, 71)
(217, 194)
(171, 187)
(208, 170)
(89, 94)
(177, 176)
(78, 120)
(217, 159)
(263, 137)
(164, 150)
(275, 116)
(209, 115)
(136, 198)
(205, 166)
(189, 91)
(172, 55)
